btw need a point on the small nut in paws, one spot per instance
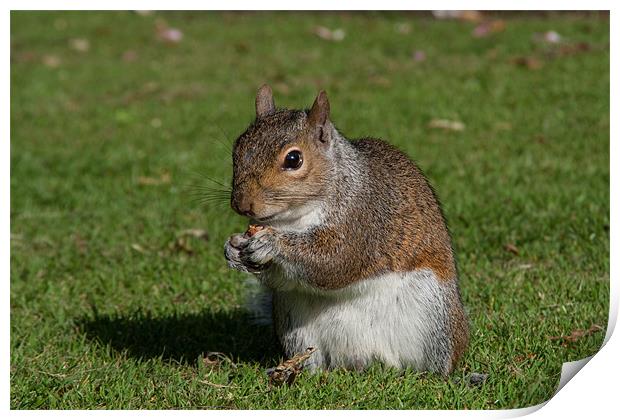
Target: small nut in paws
(253, 230)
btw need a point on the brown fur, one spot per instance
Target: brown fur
(459, 328)
(397, 226)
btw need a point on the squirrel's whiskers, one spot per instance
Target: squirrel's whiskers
(206, 190)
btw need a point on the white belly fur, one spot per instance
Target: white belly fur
(400, 319)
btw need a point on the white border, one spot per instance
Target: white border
(592, 393)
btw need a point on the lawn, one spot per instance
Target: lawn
(120, 294)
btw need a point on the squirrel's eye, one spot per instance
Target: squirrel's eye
(293, 160)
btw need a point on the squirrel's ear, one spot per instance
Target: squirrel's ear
(264, 102)
(320, 110)
(317, 118)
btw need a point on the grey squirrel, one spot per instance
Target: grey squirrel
(351, 244)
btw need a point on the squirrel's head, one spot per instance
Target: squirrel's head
(281, 162)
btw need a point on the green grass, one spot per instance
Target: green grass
(107, 313)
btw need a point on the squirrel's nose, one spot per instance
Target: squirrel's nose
(243, 206)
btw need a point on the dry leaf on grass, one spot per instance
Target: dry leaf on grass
(139, 248)
(214, 359)
(182, 243)
(287, 371)
(530, 62)
(167, 34)
(147, 180)
(549, 37)
(512, 248)
(51, 61)
(465, 15)
(487, 28)
(327, 34)
(576, 334)
(170, 35)
(79, 44)
(520, 358)
(196, 233)
(447, 125)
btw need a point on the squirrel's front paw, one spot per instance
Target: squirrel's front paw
(232, 250)
(259, 250)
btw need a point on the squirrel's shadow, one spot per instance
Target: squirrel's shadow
(182, 338)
